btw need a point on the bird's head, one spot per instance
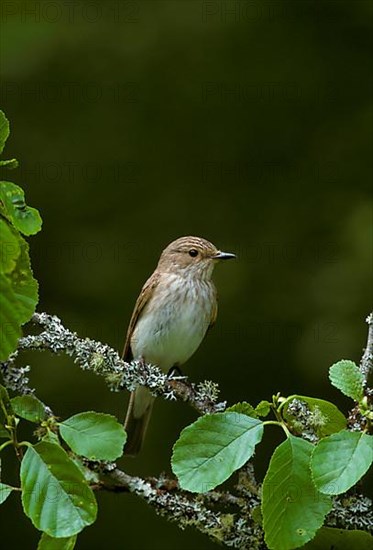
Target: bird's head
(192, 256)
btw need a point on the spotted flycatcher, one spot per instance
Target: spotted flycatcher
(176, 307)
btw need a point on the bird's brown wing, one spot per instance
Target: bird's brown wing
(144, 297)
(214, 312)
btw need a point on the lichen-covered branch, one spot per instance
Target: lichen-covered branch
(15, 378)
(188, 510)
(238, 528)
(351, 511)
(105, 361)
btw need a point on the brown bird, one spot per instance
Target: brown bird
(176, 307)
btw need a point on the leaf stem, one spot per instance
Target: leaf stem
(283, 403)
(9, 442)
(278, 423)
(24, 444)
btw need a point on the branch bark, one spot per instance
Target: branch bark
(105, 361)
(235, 530)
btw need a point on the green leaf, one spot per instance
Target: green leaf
(50, 543)
(10, 247)
(212, 448)
(243, 408)
(10, 330)
(24, 286)
(346, 376)
(18, 299)
(89, 475)
(339, 539)
(51, 437)
(6, 403)
(339, 461)
(5, 491)
(5, 411)
(29, 407)
(10, 164)
(325, 418)
(263, 408)
(12, 205)
(55, 495)
(96, 436)
(4, 130)
(292, 508)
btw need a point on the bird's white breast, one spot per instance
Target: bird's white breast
(174, 322)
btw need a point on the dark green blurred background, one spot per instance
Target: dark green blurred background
(248, 123)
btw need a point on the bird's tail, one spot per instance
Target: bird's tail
(137, 419)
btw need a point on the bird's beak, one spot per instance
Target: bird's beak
(224, 256)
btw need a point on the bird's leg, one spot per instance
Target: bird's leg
(179, 382)
(176, 374)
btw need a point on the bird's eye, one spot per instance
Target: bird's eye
(193, 252)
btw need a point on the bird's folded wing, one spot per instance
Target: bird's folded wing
(144, 297)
